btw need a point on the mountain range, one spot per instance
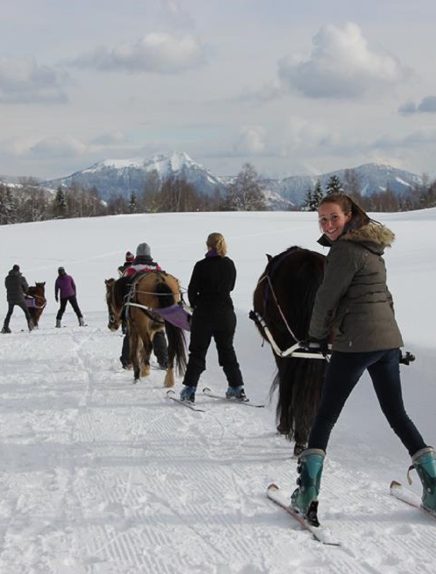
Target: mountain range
(126, 176)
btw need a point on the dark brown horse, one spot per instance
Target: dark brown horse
(148, 292)
(37, 303)
(283, 301)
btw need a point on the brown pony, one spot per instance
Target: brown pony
(283, 301)
(115, 302)
(148, 292)
(37, 306)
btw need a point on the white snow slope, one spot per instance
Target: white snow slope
(100, 476)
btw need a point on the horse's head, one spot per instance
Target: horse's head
(114, 310)
(40, 288)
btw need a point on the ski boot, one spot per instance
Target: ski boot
(304, 499)
(236, 393)
(188, 394)
(424, 461)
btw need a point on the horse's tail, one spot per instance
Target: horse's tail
(176, 347)
(175, 335)
(300, 384)
(165, 295)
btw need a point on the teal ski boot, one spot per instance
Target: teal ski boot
(424, 461)
(304, 499)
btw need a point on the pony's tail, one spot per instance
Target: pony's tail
(176, 347)
(165, 295)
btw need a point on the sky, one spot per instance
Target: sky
(290, 87)
(101, 476)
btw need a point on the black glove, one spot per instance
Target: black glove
(315, 345)
(406, 358)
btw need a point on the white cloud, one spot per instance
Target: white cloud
(341, 65)
(57, 147)
(251, 141)
(427, 104)
(158, 52)
(23, 80)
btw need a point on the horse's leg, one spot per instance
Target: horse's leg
(146, 337)
(133, 346)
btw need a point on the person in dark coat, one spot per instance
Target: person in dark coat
(16, 289)
(142, 263)
(65, 289)
(354, 307)
(212, 280)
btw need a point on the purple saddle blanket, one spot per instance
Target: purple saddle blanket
(176, 315)
(30, 302)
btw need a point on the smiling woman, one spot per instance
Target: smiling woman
(354, 305)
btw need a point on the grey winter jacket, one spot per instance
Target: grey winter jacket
(16, 286)
(353, 302)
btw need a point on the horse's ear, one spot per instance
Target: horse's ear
(269, 257)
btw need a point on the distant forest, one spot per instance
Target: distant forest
(29, 201)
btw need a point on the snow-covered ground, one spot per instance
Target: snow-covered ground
(100, 476)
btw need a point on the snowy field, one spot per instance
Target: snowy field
(100, 476)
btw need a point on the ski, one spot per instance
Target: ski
(187, 404)
(319, 534)
(208, 392)
(406, 495)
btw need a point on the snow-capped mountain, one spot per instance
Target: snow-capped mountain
(124, 177)
(370, 178)
(127, 176)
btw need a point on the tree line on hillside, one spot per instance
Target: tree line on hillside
(418, 197)
(29, 201)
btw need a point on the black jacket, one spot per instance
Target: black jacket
(212, 280)
(16, 286)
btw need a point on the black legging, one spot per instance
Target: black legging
(219, 324)
(11, 306)
(74, 305)
(343, 373)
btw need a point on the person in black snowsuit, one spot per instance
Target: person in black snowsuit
(142, 263)
(212, 280)
(16, 289)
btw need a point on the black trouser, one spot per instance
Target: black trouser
(74, 305)
(343, 373)
(219, 324)
(11, 306)
(160, 349)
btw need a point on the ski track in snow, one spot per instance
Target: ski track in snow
(102, 476)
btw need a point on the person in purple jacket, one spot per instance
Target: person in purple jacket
(65, 288)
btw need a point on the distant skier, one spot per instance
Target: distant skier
(65, 289)
(16, 289)
(354, 305)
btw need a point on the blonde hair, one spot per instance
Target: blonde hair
(216, 241)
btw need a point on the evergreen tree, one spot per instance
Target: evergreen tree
(318, 194)
(334, 185)
(60, 204)
(132, 203)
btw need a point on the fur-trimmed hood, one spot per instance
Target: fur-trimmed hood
(374, 236)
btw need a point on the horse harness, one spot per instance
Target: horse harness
(133, 291)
